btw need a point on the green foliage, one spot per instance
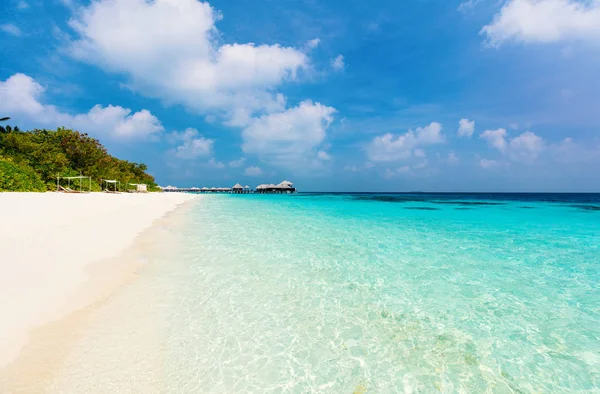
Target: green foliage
(19, 177)
(68, 153)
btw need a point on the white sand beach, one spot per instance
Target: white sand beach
(52, 244)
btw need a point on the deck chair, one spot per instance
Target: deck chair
(68, 190)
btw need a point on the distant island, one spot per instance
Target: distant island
(30, 161)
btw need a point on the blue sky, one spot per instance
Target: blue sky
(343, 96)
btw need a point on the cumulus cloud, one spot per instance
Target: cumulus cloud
(544, 21)
(182, 61)
(21, 95)
(389, 147)
(525, 147)
(253, 171)
(11, 29)
(191, 144)
(179, 59)
(338, 63)
(495, 138)
(466, 128)
(289, 138)
(237, 163)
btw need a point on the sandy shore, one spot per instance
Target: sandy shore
(52, 244)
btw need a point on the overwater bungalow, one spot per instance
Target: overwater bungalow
(285, 187)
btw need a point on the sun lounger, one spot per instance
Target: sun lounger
(68, 190)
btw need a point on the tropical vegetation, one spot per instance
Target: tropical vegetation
(32, 160)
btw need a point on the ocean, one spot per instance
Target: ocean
(359, 293)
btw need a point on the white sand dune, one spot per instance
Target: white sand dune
(48, 241)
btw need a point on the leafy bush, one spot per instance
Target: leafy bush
(19, 177)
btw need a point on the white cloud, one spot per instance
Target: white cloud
(467, 5)
(192, 145)
(338, 63)
(545, 21)
(485, 163)
(525, 147)
(389, 147)
(419, 153)
(312, 44)
(22, 5)
(495, 138)
(253, 171)
(179, 59)
(237, 163)
(11, 29)
(215, 164)
(466, 128)
(322, 155)
(21, 96)
(289, 138)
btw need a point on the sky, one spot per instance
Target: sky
(415, 95)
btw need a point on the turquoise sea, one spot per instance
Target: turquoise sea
(373, 293)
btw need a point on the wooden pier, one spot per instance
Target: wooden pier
(284, 187)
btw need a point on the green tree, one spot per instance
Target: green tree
(69, 153)
(19, 177)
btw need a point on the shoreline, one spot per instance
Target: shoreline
(32, 257)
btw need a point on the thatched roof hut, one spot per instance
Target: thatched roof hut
(237, 186)
(283, 187)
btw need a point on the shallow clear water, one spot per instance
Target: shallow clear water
(373, 293)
